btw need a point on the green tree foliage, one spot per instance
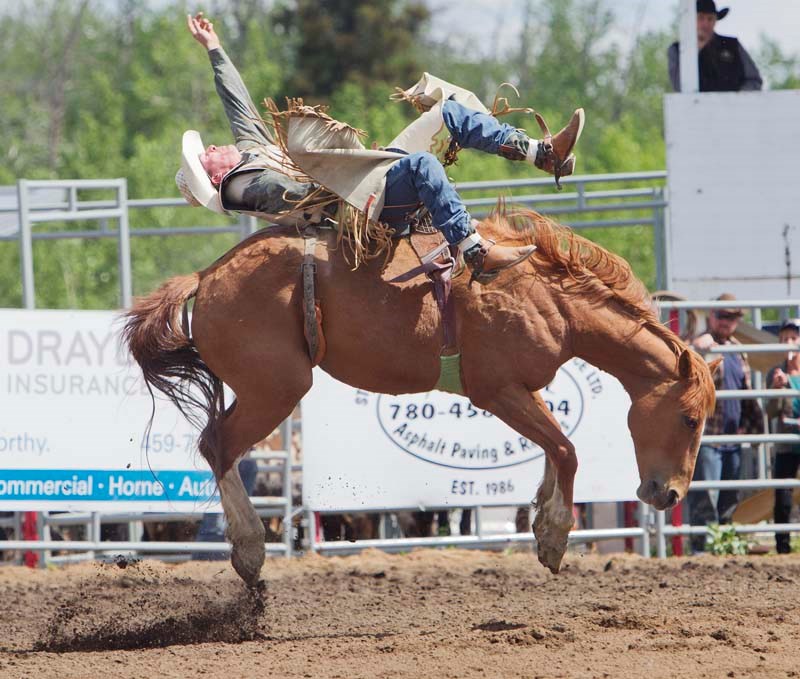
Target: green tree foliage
(358, 41)
(779, 69)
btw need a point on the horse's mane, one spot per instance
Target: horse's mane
(603, 277)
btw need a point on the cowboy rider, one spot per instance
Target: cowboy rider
(252, 175)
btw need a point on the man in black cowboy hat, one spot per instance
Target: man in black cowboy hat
(725, 66)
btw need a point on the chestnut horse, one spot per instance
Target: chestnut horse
(572, 298)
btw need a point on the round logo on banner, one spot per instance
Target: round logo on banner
(446, 429)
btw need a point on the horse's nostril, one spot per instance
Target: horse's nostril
(673, 497)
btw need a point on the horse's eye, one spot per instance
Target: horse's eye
(690, 422)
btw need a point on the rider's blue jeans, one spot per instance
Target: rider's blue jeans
(420, 177)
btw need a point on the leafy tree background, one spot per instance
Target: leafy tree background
(94, 89)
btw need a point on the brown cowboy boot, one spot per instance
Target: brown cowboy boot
(551, 154)
(554, 154)
(486, 259)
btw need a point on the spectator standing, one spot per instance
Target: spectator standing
(786, 412)
(724, 65)
(722, 462)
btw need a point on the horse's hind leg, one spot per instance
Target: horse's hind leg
(256, 414)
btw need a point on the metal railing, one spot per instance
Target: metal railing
(581, 199)
(663, 531)
(647, 203)
(788, 307)
(480, 540)
(93, 547)
(74, 210)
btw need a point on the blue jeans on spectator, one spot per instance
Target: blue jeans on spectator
(714, 463)
(785, 467)
(420, 177)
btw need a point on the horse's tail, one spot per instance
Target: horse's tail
(156, 332)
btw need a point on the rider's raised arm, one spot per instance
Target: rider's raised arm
(244, 119)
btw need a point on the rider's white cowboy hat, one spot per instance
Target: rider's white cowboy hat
(192, 179)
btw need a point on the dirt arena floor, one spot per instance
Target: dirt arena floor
(446, 613)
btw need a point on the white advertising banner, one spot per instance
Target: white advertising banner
(364, 451)
(73, 413)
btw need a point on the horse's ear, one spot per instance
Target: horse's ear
(714, 366)
(685, 367)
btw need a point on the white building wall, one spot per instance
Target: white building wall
(734, 193)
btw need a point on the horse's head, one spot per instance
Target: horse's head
(666, 424)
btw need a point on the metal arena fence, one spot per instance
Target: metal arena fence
(627, 204)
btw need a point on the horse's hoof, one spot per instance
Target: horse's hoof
(550, 559)
(550, 546)
(247, 565)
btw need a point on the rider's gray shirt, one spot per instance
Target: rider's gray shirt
(252, 185)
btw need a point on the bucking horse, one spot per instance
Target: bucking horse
(248, 330)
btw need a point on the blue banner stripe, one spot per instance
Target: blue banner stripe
(107, 485)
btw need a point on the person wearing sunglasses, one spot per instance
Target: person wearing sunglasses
(736, 416)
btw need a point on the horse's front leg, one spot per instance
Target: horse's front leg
(529, 415)
(553, 519)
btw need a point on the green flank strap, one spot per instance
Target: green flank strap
(450, 375)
